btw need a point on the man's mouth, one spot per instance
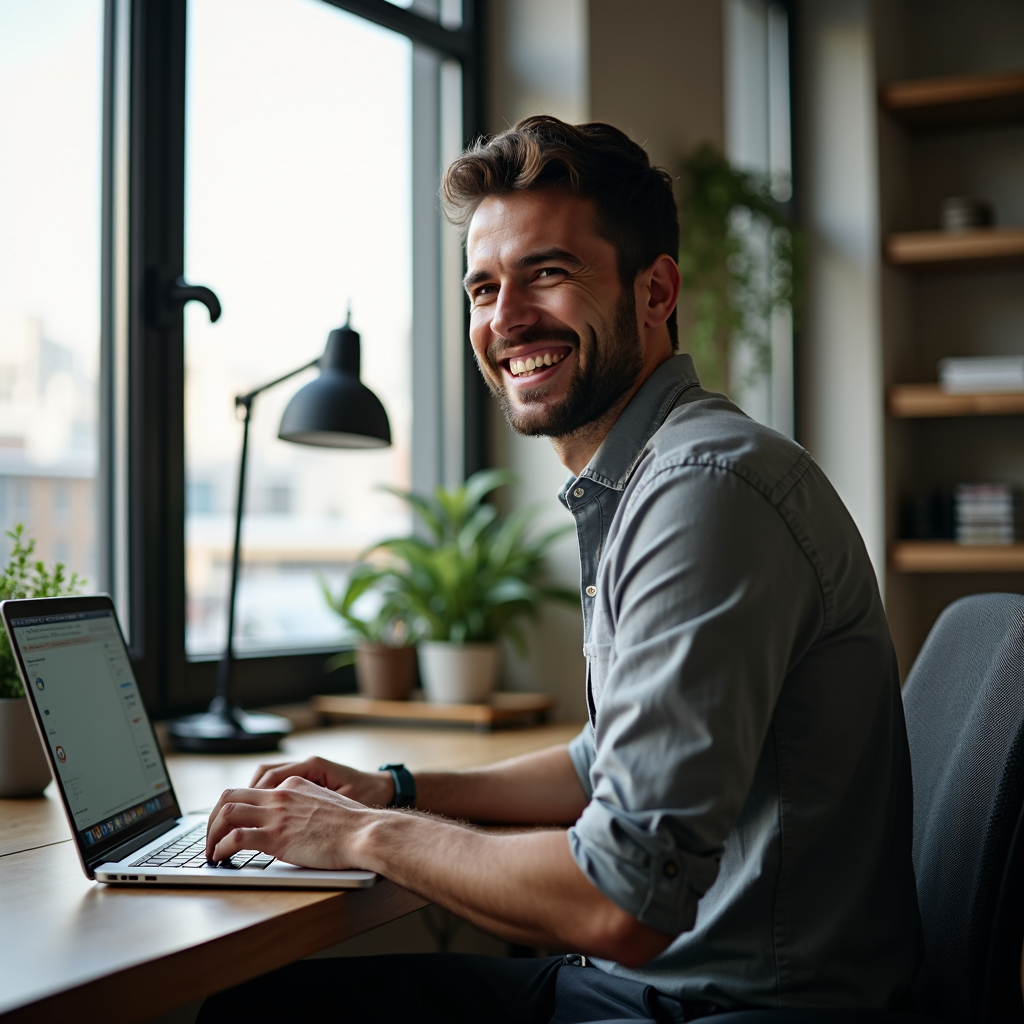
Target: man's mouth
(536, 362)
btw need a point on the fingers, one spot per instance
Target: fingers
(235, 808)
(261, 771)
(241, 839)
(316, 769)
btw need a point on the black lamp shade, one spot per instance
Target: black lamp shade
(336, 410)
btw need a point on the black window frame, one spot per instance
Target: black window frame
(142, 549)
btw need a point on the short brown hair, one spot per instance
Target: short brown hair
(636, 209)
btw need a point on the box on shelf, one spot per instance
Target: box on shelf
(987, 513)
(982, 373)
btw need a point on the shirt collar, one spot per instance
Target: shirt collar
(612, 464)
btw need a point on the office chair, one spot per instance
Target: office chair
(964, 702)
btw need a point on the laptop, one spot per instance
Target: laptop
(124, 816)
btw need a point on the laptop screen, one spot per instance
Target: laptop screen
(109, 765)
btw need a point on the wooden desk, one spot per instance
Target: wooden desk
(68, 945)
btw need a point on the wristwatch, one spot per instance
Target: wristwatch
(405, 785)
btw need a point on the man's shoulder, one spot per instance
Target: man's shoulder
(707, 430)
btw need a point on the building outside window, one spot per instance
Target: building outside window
(51, 70)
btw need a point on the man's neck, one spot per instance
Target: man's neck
(575, 450)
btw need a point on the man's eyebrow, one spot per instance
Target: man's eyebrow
(531, 259)
(552, 255)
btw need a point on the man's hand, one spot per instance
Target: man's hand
(300, 822)
(374, 789)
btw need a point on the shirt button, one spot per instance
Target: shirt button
(591, 591)
(670, 869)
(578, 493)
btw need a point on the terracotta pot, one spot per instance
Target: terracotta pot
(458, 673)
(385, 673)
(24, 770)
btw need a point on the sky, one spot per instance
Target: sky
(50, 96)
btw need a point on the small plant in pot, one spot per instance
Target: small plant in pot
(24, 770)
(374, 610)
(468, 578)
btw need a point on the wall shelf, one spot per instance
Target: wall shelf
(929, 401)
(956, 101)
(980, 247)
(920, 556)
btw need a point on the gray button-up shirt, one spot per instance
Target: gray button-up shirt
(746, 759)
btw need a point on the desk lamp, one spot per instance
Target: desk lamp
(334, 411)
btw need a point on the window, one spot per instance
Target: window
(51, 64)
(758, 138)
(287, 154)
(298, 200)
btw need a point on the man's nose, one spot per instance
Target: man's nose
(513, 312)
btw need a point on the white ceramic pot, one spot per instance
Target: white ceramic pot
(458, 673)
(24, 770)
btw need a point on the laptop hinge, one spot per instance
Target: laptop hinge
(129, 847)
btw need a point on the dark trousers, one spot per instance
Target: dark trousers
(446, 988)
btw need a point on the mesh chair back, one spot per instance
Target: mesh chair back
(964, 704)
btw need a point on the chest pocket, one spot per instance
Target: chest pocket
(599, 663)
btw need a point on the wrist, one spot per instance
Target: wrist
(383, 789)
(370, 840)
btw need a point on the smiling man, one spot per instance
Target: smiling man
(739, 805)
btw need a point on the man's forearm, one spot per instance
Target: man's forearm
(525, 888)
(536, 789)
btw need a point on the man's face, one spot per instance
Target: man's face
(553, 331)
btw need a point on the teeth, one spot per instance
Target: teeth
(524, 367)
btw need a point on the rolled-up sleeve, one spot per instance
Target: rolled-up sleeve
(705, 598)
(581, 753)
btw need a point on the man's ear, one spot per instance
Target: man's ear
(659, 291)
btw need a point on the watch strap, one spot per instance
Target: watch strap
(405, 785)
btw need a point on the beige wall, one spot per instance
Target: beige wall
(656, 72)
(654, 69)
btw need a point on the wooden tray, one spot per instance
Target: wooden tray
(500, 709)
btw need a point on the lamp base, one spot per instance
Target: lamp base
(228, 731)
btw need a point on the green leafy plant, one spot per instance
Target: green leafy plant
(472, 575)
(738, 258)
(23, 577)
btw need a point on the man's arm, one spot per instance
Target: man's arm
(525, 887)
(541, 788)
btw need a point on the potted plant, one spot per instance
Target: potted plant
(738, 255)
(24, 770)
(385, 656)
(468, 577)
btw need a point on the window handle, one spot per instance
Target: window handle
(181, 291)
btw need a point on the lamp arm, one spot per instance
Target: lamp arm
(247, 399)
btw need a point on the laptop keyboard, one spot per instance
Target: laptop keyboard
(189, 851)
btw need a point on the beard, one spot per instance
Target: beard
(613, 367)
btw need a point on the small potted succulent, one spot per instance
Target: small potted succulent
(467, 578)
(24, 770)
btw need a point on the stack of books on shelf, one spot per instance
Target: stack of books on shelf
(986, 513)
(980, 374)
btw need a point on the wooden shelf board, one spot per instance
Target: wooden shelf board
(947, 557)
(918, 401)
(934, 248)
(957, 100)
(501, 708)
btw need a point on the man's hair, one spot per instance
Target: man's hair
(636, 210)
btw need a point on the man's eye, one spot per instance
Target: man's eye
(483, 291)
(550, 272)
